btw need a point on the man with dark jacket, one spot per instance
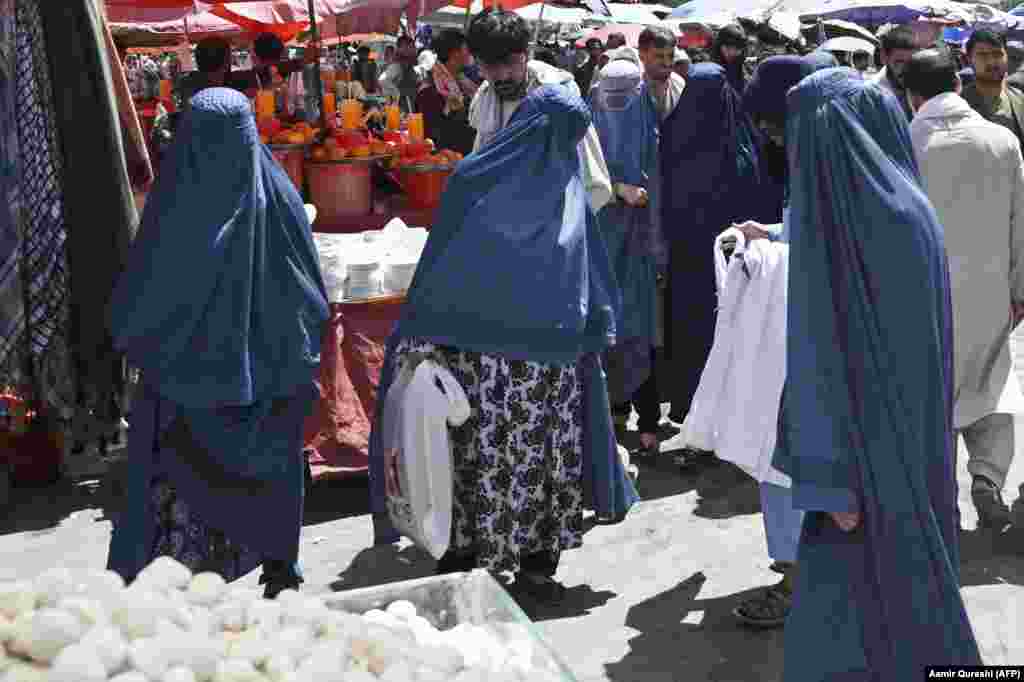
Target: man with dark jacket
(585, 73)
(990, 94)
(442, 100)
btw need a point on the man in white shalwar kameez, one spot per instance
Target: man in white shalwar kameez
(510, 76)
(974, 176)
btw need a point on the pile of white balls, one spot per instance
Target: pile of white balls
(171, 626)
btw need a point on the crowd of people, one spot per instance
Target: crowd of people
(568, 280)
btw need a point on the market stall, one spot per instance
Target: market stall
(367, 275)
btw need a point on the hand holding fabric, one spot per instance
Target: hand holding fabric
(752, 229)
(847, 521)
(633, 195)
(1016, 313)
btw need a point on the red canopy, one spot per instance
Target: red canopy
(285, 18)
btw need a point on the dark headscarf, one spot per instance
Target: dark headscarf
(222, 301)
(765, 98)
(867, 409)
(732, 35)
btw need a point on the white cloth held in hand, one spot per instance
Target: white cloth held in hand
(735, 411)
(421, 403)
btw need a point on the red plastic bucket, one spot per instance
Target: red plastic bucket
(292, 159)
(423, 188)
(340, 189)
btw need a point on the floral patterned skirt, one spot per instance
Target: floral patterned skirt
(184, 536)
(518, 460)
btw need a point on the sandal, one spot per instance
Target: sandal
(767, 610)
(540, 587)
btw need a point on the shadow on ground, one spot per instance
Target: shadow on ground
(682, 636)
(40, 509)
(990, 557)
(330, 500)
(384, 564)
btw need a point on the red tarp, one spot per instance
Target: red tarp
(337, 434)
(286, 18)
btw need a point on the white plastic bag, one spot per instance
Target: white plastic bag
(422, 402)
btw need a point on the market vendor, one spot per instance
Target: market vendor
(268, 56)
(442, 100)
(213, 61)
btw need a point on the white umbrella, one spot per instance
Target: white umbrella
(848, 44)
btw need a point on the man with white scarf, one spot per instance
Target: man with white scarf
(974, 176)
(500, 41)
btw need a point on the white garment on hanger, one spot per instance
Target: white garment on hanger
(736, 408)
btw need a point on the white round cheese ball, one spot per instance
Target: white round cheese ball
(16, 598)
(52, 586)
(151, 656)
(50, 631)
(164, 574)
(90, 612)
(278, 666)
(292, 641)
(132, 676)
(109, 646)
(101, 585)
(265, 614)
(402, 609)
(206, 589)
(230, 616)
(235, 670)
(77, 663)
(179, 674)
(139, 610)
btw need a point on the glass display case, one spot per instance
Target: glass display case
(473, 598)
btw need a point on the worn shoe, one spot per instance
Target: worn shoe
(988, 500)
(1017, 511)
(768, 609)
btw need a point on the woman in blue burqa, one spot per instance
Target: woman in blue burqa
(627, 123)
(764, 100)
(221, 307)
(514, 295)
(712, 178)
(867, 410)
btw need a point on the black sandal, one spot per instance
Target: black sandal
(767, 610)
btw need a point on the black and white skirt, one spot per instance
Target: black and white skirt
(518, 460)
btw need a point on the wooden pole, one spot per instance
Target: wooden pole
(317, 81)
(536, 29)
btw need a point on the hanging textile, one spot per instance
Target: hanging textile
(99, 216)
(34, 284)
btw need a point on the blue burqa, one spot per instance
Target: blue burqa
(867, 421)
(221, 306)
(515, 266)
(627, 123)
(712, 177)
